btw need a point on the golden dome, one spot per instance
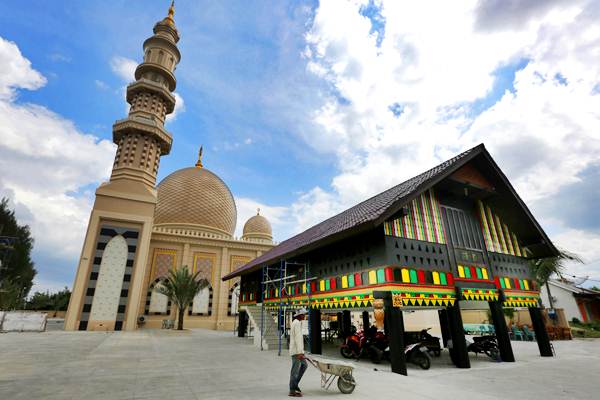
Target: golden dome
(196, 198)
(257, 227)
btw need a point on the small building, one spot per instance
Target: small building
(456, 233)
(577, 302)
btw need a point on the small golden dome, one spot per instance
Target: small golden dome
(257, 227)
(196, 198)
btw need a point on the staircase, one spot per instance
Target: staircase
(270, 339)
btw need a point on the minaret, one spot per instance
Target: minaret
(107, 290)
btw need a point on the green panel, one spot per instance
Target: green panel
(443, 280)
(351, 280)
(327, 285)
(502, 283)
(413, 276)
(467, 272)
(479, 274)
(380, 276)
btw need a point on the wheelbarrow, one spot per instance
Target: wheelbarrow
(330, 369)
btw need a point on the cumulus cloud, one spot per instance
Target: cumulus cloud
(411, 88)
(49, 164)
(124, 68)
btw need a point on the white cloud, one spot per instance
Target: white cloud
(587, 246)
(16, 71)
(48, 162)
(124, 68)
(101, 84)
(401, 103)
(179, 107)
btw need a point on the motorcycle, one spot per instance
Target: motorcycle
(417, 353)
(432, 342)
(487, 345)
(372, 343)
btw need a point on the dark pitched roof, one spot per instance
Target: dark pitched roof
(379, 208)
(365, 215)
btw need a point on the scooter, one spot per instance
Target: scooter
(432, 342)
(487, 345)
(417, 353)
(372, 343)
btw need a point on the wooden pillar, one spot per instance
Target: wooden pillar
(314, 320)
(242, 323)
(541, 335)
(458, 349)
(506, 353)
(347, 321)
(444, 327)
(365, 318)
(395, 325)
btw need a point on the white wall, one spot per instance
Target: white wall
(564, 300)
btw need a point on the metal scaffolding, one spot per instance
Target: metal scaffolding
(276, 278)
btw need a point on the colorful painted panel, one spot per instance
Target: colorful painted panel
(480, 294)
(423, 221)
(514, 298)
(423, 297)
(498, 238)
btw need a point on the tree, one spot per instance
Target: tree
(50, 302)
(17, 269)
(181, 287)
(544, 268)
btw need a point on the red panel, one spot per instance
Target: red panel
(313, 287)
(497, 280)
(450, 279)
(421, 276)
(332, 283)
(357, 280)
(473, 272)
(517, 283)
(389, 274)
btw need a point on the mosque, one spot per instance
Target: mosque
(138, 230)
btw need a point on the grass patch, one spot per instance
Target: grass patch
(585, 330)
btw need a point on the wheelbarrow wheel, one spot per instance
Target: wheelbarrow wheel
(346, 384)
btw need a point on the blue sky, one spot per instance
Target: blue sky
(304, 108)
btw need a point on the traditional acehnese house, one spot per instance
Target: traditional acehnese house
(456, 232)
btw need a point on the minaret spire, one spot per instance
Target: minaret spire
(141, 137)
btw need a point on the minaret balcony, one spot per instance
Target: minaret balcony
(145, 126)
(156, 68)
(149, 86)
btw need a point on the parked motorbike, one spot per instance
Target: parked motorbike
(417, 353)
(487, 345)
(371, 343)
(423, 336)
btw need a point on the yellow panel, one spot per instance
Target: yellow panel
(507, 283)
(322, 285)
(526, 284)
(372, 277)
(344, 281)
(436, 278)
(405, 275)
(461, 271)
(304, 288)
(484, 273)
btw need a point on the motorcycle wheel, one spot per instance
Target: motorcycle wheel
(422, 360)
(376, 355)
(346, 384)
(346, 352)
(494, 354)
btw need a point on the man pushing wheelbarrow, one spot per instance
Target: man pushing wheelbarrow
(330, 369)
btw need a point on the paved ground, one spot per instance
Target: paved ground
(204, 364)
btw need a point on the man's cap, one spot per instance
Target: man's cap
(301, 311)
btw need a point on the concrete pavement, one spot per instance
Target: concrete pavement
(203, 364)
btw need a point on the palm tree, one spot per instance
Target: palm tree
(544, 268)
(181, 286)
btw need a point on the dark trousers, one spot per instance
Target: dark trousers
(298, 369)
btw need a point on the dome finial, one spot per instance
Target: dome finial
(258, 211)
(172, 9)
(199, 162)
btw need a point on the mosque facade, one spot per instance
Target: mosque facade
(138, 230)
